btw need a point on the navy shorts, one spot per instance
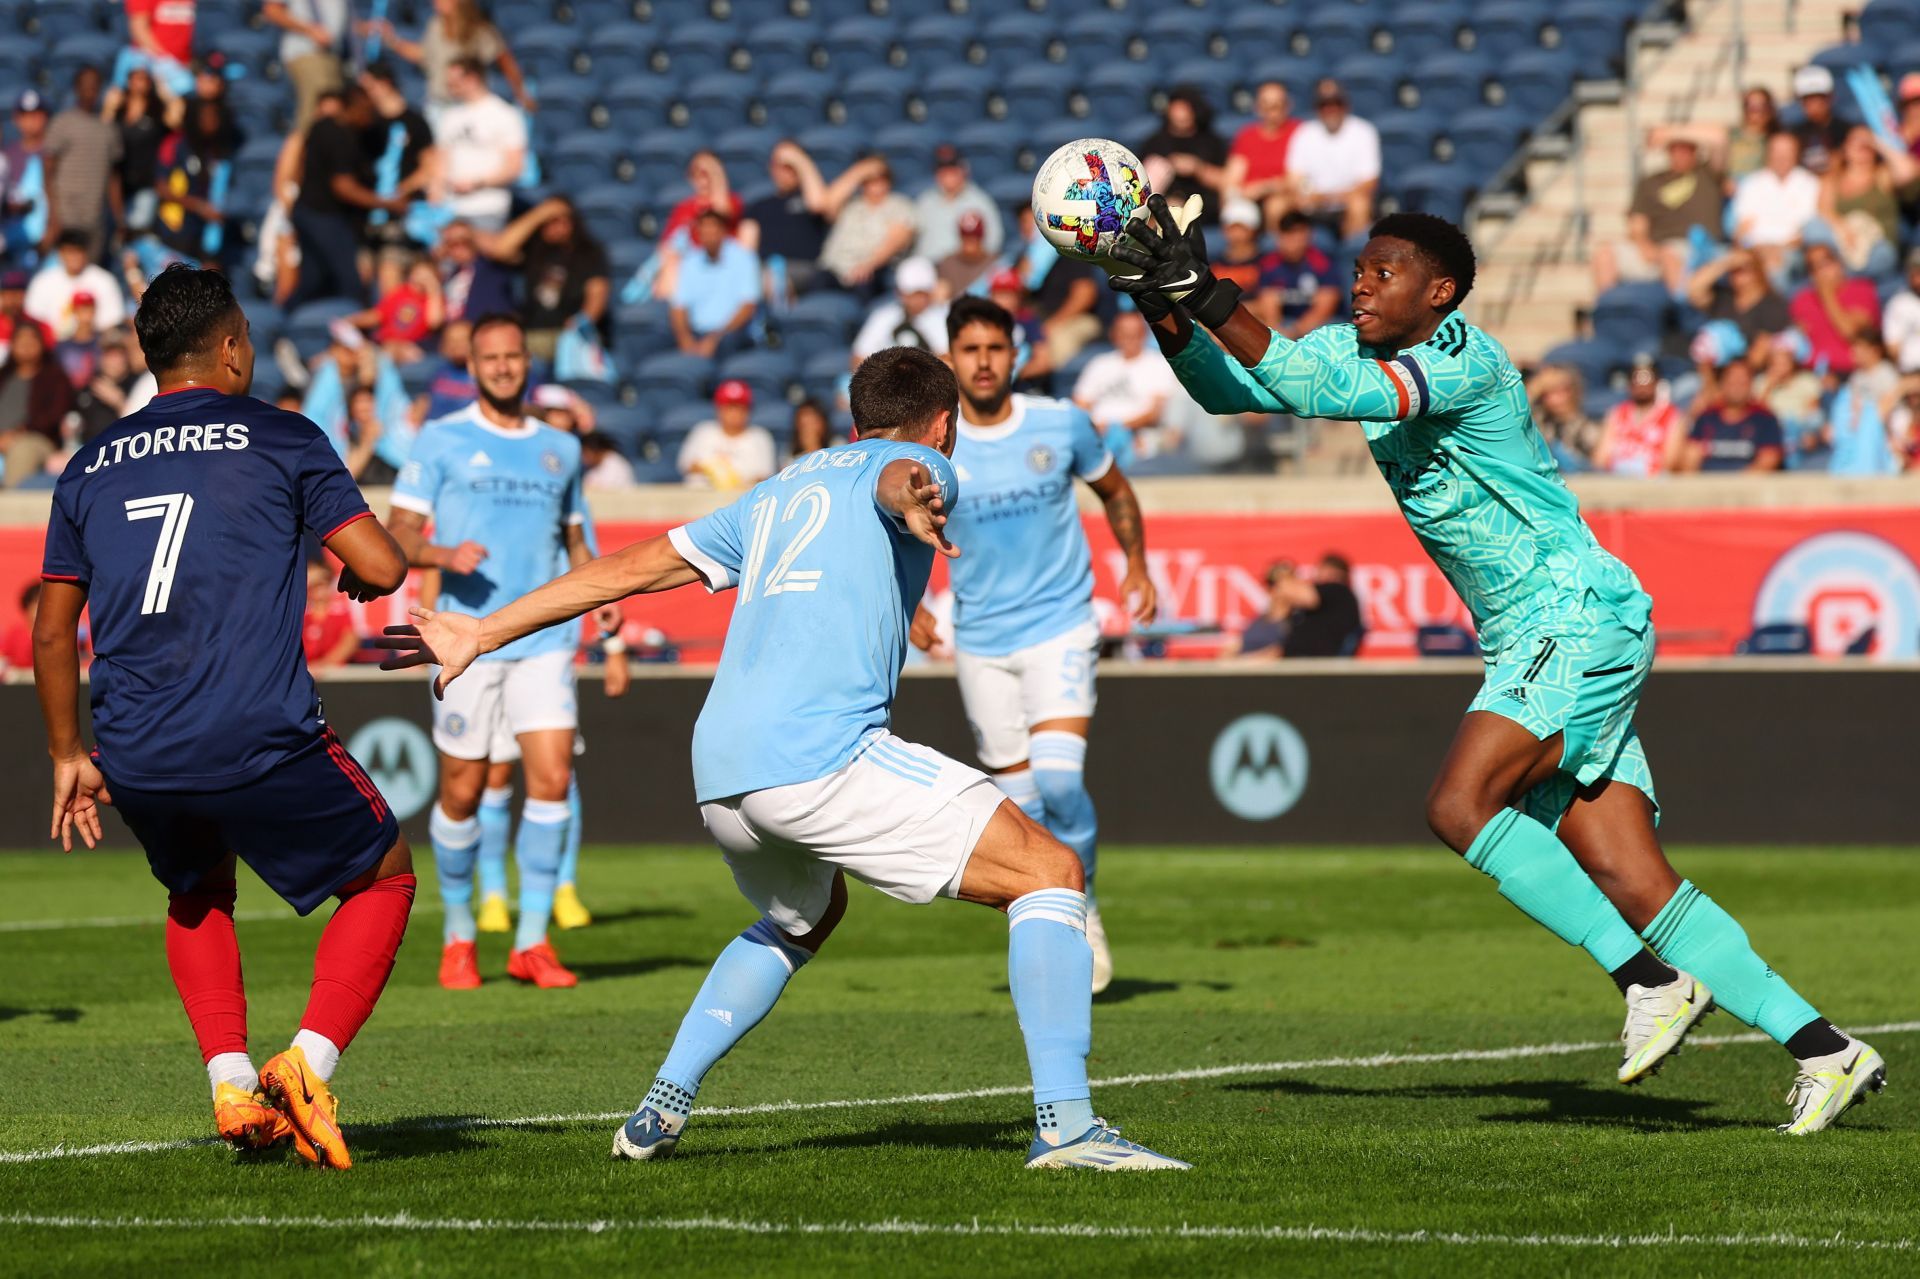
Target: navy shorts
(312, 824)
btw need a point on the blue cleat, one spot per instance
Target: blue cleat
(1102, 1148)
(649, 1134)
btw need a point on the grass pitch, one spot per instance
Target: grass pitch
(480, 1122)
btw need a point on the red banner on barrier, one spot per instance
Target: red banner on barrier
(1851, 576)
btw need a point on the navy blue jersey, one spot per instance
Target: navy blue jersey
(183, 523)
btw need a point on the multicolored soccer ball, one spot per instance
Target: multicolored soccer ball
(1083, 196)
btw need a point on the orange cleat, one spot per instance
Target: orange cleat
(246, 1120)
(540, 966)
(459, 966)
(303, 1097)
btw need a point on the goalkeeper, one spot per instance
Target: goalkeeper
(1546, 788)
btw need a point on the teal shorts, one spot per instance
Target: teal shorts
(1584, 684)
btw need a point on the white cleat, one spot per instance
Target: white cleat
(1827, 1087)
(1658, 1018)
(1102, 1149)
(647, 1135)
(1102, 957)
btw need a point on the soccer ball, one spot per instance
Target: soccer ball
(1083, 196)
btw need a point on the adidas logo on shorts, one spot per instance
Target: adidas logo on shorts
(1517, 694)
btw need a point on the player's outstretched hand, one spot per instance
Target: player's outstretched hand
(1170, 252)
(78, 792)
(448, 640)
(925, 512)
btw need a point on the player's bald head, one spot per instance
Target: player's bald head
(185, 318)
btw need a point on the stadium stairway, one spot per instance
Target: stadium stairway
(1536, 272)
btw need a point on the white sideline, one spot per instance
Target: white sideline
(976, 1227)
(1378, 1060)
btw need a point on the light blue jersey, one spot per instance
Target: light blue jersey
(827, 582)
(1026, 574)
(515, 493)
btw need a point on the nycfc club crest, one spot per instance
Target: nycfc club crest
(1258, 767)
(1040, 458)
(551, 461)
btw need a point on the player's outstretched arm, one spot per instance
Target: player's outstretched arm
(908, 492)
(78, 788)
(453, 640)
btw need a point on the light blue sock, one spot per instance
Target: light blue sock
(1693, 932)
(543, 833)
(1060, 771)
(454, 847)
(570, 855)
(1537, 873)
(496, 829)
(1024, 792)
(740, 990)
(1050, 969)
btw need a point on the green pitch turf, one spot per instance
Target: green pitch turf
(1258, 966)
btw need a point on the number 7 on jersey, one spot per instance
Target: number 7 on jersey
(173, 510)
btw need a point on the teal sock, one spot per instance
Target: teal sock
(496, 830)
(740, 990)
(1692, 932)
(543, 832)
(1537, 873)
(570, 854)
(454, 847)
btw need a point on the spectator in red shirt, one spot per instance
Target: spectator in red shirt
(410, 311)
(710, 191)
(326, 633)
(16, 645)
(160, 38)
(1644, 433)
(1257, 162)
(13, 311)
(1833, 309)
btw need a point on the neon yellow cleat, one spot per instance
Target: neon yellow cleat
(1658, 1018)
(493, 917)
(246, 1121)
(568, 912)
(303, 1097)
(1827, 1087)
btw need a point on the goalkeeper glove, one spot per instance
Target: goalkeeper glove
(1172, 260)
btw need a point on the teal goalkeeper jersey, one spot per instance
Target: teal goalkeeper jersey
(1448, 423)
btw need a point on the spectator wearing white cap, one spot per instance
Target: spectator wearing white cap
(1239, 260)
(1821, 133)
(728, 452)
(910, 318)
(953, 195)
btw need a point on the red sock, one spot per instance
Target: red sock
(355, 958)
(204, 957)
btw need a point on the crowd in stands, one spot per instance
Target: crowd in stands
(1772, 312)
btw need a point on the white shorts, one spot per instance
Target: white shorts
(525, 695)
(899, 817)
(1006, 696)
(506, 746)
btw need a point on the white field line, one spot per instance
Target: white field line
(1375, 1062)
(156, 919)
(975, 1228)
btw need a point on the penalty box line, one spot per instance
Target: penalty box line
(406, 1222)
(1377, 1061)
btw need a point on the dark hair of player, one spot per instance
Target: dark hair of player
(969, 309)
(184, 313)
(901, 389)
(1443, 246)
(493, 320)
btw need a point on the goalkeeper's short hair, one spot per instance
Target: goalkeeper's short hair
(1445, 247)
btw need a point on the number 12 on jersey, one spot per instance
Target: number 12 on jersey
(173, 510)
(817, 503)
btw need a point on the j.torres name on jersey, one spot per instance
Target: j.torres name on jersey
(213, 437)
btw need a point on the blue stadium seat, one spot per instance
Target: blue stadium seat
(1627, 315)
(1452, 82)
(584, 158)
(1506, 27)
(854, 43)
(956, 95)
(1018, 39)
(306, 328)
(1485, 138)
(660, 156)
(1258, 32)
(993, 146)
(1095, 38)
(717, 101)
(762, 365)
(1598, 30)
(518, 15)
(819, 323)
(908, 147)
(640, 332)
(832, 146)
(795, 100)
(639, 102)
(1337, 32)
(1906, 57)
(1537, 81)
(1176, 33)
(1423, 31)
(609, 209)
(783, 44)
(627, 427)
(680, 416)
(56, 22)
(71, 52)
(1594, 359)
(1434, 188)
(570, 104)
(876, 96)
(628, 49)
(1115, 92)
(744, 150)
(697, 49)
(673, 376)
(1009, 190)
(938, 40)
(626, 253)
(549, 51)
(1035, 91)
(1406, 140)
(1371, 83)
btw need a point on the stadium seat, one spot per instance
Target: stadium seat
(744, 150)
(1035, 91)
(717, 100)
(832, 146)
(1485, 138)
(584, 158)
(1441, 189)
(1598, 30)
(673, 376)
(821, 375)
(570, 104)
(1114, 92)
(908, 148)
(549, 51)
(781, 44)
(697, 49)
(56, 22)
(1258, 32)
(609, 210)
(938, 41)
(1594, 360)
(1537, 81)
(956, 95)
(1336, 32)
(1176, 33)
(1406, 140)
(639, 103)
(626, 426)
(626, 50)
(819, 322)
(1095, 38)
(518, 15)
(1423, 31)
(660, 156)
(1451, 82)
(1371, 83)
(875, 97)
(852, 44)
(1018, 39)
(1627, 315)
(306, 328)
(993, 146)
(796, 99)
(1507, 27)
